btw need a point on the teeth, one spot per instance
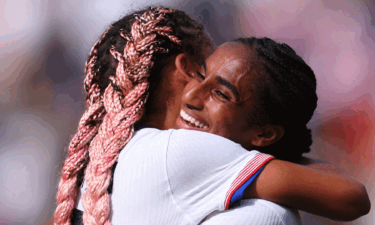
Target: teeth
(190, 119)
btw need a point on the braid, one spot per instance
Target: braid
(117, 84)
(124, 101)
(285, 95)
(78, 149)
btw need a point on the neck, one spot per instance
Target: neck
(163, 104)
(152, 121)
(161, 119)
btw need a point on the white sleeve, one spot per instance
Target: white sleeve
(255, 211)
(208, 172)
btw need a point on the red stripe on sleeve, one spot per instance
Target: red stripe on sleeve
(251, 167)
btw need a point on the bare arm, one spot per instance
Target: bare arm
(339, 197)
(321, 165)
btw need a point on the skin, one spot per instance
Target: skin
(176, 76)
(221, 99)
(206, 99)
(222, 112)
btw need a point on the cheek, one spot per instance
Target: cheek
(187, 86)
(226, 122)
(178, 91)
(235, 124)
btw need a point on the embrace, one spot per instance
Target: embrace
(176, 132)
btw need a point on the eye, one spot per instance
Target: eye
(221, 95)
(200, 76)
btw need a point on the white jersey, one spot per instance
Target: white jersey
(180, 177)
(254, 212)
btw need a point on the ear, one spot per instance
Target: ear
(184, 68)
(267, 134)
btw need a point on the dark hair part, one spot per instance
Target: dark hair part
(285, 94)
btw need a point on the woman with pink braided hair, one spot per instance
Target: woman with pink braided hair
(118, 83)
(115, 100)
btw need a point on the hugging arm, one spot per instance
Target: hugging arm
(325, 193)
(321, 165)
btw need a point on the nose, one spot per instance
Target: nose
(193, 95)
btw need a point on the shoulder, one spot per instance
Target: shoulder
(199, 135)
(146, 141)
(193, 148)
(150, 133)
(148, 136)
(203, 143)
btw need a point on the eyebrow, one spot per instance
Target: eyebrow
(229, 86)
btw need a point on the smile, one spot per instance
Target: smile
(191, 120)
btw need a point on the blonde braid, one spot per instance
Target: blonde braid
(123, 100)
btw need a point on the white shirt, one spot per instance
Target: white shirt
(255, 212)
(179, 176)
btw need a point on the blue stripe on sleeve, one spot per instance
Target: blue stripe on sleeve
(238, 195)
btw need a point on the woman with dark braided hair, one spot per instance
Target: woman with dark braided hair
(287, 84)
(261, 94)
(129, 64)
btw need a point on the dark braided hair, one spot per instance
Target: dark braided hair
(285, 94)
(121, 67)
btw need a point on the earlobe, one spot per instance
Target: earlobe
(267, 135)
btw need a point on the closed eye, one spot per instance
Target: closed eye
(222, 95)
(201, 76)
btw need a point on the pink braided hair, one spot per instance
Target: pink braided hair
(120, 106)
(78, 148)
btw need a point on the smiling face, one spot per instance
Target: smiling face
(220, 100)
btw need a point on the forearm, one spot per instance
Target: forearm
(327, 194)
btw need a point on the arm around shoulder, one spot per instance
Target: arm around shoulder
(338, 197)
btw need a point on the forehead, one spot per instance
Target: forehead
(236, 63)
(233, 49)
(230, 54)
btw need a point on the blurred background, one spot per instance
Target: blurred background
(44, 45)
